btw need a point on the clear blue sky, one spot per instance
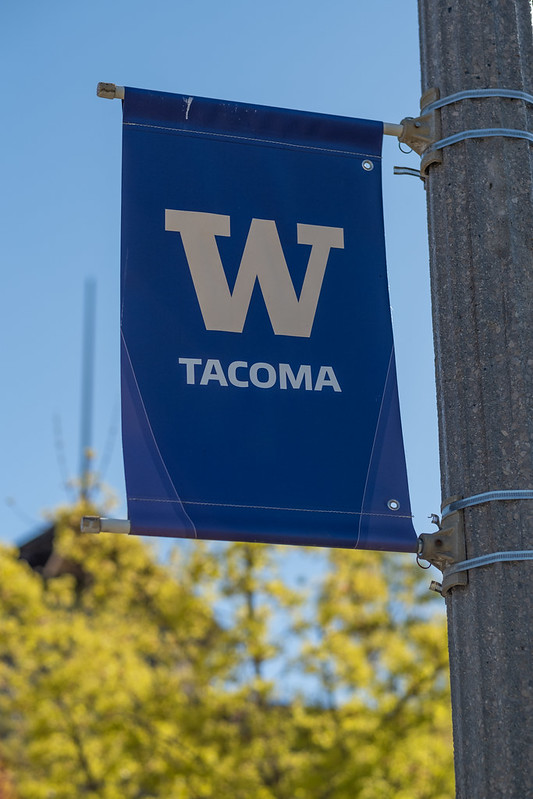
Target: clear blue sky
(60, 214)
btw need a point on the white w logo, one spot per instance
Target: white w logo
(262, 259)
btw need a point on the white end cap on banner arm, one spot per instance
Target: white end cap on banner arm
(109, 91)
(97, 524)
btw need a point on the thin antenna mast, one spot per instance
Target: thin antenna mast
(87, 384)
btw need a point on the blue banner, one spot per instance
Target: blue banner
(259, 395)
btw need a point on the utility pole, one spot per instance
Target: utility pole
(87, 381)
(480, 214)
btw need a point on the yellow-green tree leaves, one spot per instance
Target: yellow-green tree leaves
(124, 677)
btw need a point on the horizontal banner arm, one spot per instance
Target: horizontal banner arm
(391, 129)
(110, 91)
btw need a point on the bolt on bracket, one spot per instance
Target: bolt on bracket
(420, 133)
(446, 547)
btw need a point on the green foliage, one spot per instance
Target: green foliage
(124, 677)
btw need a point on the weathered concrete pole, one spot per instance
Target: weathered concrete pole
(480, 211)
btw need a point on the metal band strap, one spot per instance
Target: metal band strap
(481, 133)
(474, 94)
(487, 496)
(484, 560)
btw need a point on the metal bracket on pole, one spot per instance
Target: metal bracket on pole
(420, 133)
(446, 547)
(109, 91)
